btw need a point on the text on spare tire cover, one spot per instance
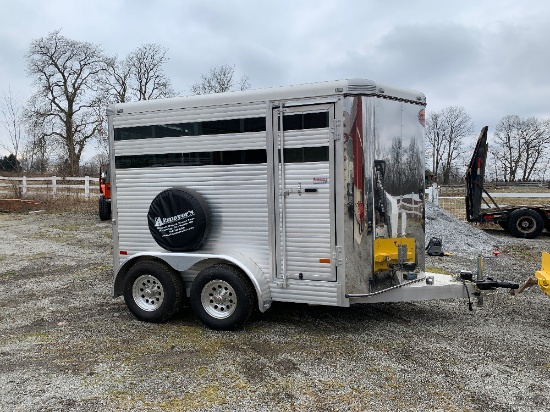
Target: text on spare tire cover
(170, 226)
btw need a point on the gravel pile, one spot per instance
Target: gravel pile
(67, 345)
(458, 237)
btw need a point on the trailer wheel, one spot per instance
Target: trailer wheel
(222, 297)
(152, 291)
(179, 219)
(525, 223)
(104, 208)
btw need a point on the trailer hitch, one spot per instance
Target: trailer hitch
(483, 284)
(486, 283)
(492, 284)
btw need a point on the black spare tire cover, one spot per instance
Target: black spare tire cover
(179, 219)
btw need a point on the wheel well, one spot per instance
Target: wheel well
(203, 264)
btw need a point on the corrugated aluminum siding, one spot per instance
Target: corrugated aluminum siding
(191, 114)
(307, 220)
(236, 195)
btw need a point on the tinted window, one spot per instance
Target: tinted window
(307, 154)
(302, 121)
(248, 125)
(230, 157)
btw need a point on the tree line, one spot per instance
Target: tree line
(73, 84)
(519, 150)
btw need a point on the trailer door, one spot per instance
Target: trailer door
(304, 207)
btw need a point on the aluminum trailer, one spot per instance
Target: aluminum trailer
(523, 221)
(310, 193)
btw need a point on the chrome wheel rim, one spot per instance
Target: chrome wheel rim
(148, 293)
(219, 299)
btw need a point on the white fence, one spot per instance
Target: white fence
(54, 185)
(411, 204)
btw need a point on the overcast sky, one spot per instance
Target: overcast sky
(490, 57)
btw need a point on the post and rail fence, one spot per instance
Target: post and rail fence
(24, 186)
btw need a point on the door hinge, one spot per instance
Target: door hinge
(337, 256)
(336, 130)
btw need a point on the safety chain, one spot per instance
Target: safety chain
(394, 287)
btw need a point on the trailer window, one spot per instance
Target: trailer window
(222, 126)
(219, 158)
(247, 125)
(302, 121)
(306, 154)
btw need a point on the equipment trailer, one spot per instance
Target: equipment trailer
(310, 194)
(520, 220)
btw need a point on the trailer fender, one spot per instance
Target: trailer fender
(184, 261)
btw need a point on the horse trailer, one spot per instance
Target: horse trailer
(310, 193)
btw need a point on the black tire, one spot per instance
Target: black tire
(104, 208)
(153, 292)
(525, 223)
(222, 297)
(179, 219)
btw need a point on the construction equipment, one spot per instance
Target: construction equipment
(435, 247)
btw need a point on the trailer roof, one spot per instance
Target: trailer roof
(329, 88)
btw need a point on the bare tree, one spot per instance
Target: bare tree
(434, 136)
(146, 67)
(140, 76)
(446, 131)
(117, 80)
(521, 146)
(13, 121)
(37, 152)
(220, 79)
(66, 74)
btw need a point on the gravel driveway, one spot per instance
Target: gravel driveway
(66, 345)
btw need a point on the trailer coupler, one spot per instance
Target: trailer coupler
(482, 285)
(487, 283)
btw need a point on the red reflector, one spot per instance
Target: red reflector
(324, 260)
(489, 217)
(123, 252)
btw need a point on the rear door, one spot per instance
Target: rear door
(304, 206)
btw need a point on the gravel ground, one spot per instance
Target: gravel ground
(66, 345)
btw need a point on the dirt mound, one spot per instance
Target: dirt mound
(18, 205)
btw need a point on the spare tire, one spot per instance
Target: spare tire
(179, 219)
